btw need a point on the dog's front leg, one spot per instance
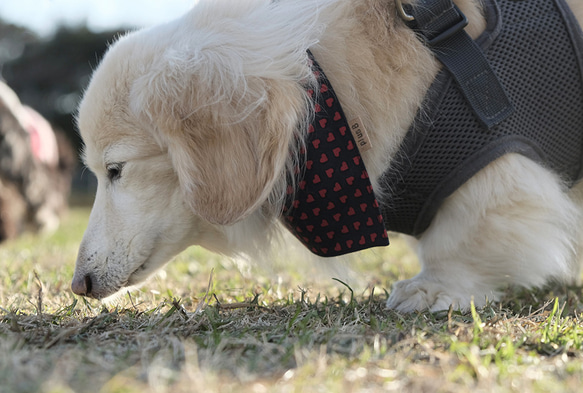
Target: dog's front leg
(512, 223)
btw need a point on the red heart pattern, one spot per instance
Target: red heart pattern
(333, 211)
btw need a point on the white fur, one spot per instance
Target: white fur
(206, 112)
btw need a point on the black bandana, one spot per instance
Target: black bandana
(333, 210)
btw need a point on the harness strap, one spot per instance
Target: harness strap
(440, 24)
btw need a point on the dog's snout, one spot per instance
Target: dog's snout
(82, 285)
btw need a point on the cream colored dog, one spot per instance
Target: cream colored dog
(188, 127)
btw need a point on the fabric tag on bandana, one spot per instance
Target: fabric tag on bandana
(333, 209)
(360, 135)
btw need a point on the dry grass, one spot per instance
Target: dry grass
(266, 334)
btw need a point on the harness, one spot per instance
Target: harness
(535, 47)
(518, 88)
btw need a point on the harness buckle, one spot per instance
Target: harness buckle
(433, 27)
(453, 28)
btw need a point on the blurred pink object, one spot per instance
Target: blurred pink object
(42, 137)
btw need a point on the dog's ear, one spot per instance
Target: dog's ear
(229, 153)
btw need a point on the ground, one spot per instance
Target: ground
(201, 325)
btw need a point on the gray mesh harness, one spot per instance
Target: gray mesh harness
(535, 47)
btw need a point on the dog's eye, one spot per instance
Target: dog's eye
(114, 170)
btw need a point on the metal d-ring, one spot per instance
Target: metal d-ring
(402, 13)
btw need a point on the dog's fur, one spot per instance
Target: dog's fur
(191, 127)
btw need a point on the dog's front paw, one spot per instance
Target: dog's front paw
(421, 293)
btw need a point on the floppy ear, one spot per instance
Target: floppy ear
(227, 167)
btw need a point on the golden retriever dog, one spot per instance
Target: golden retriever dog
(194, 128)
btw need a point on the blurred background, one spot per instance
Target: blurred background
(48, 49)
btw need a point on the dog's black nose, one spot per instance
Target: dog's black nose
(82, 285)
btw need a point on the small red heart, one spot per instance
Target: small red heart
(310, 92)
(316, 143)
(309, 164)
(357, 193)
(290, 190)
(330, 234)
(324, 223)
(330, 206)
(356, 225)
(344, 229)
(373, 237)
(337, 217)
(344, 166)
(310, 228)
(336, 152)
(356, 160)
(351, 212)
(350, 145)
(296, 203)
(323, 88)
(310, 129)
(317, 108)
(310, 198)
(343, 198)
(350, 180)
(324, 250)
(364, 175)
(299, 230)
(316, 179)
(330, 172)
(302, 184)
(323, 123)
(330, 102)
(338, 247)
(337, 187)
(349, 243)
(337, 115)
(318, 239)
(323, 192)
(323, 158)
(304, 216)
(362, 240)
(363, 207)
(316, 211)
(331, 137)
(375, 203)
(369, 222)
(342, 131)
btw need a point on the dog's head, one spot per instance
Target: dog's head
(188, 128)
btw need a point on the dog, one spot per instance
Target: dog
(35, 171)
(196, 129)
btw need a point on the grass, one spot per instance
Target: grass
(186, 331)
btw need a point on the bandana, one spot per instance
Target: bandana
(332, 210)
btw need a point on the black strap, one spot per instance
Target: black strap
(441, 25)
